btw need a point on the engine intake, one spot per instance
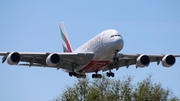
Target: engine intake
(13, 58)
(53, 59)
(142, 61)
(168, 60)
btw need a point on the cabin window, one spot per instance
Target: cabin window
(112, 36)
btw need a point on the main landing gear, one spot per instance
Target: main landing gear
(72, 74)
(96, 75)
(115, 60)
(75, 74)
(81, 76)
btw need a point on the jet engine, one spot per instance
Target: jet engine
(13, 58)
(142, 61)
(168, 60)
(53, 59)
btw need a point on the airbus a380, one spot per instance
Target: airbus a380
(101, 53)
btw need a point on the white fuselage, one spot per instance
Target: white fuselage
(103, 46)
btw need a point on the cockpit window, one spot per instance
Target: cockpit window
(112, 36)
(115, 35)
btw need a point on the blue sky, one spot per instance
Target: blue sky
(148, 27)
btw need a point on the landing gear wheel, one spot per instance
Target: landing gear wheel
(110, 74)
(96, 76)
(72, 74)
(84, 76)
(81, 76)
(99, 76)
(113, 65)
(93, 75)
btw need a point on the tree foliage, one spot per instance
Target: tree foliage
(109, 89)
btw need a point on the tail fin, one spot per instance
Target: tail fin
(65, 40)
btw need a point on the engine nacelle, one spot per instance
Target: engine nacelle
(168, 60)
(53, 59)
(142, 61)
(13, 58)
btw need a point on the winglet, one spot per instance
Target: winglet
(65, 40)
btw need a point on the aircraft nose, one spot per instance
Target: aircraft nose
(118, 42)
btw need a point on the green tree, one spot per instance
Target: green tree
(109, 89)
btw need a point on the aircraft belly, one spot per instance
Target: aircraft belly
(95, 65)
(98, 63)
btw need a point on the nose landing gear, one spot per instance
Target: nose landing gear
(110, 74)
(115, 60)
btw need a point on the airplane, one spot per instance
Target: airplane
(101, 53)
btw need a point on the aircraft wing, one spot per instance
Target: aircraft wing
(39, 59)
(131, 59)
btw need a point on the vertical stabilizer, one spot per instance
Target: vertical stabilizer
(65, 40)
